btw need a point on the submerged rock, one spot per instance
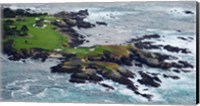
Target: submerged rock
(182, 38)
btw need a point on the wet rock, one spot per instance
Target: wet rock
(188, 12)
(40, 55)
(191, 38)
(73, 80)
(83, 24)
(178, 30)
(163, 57)
(182, 38)
(145, 89)
(186, 71)
(107, 86)
(147, 45)
(126, 61)
(148, 96)
(88, 74)
(186, 64)
(117, 77)
(155, 36)
(177, 71)
(138, 64)
(65, 69)
(148, 80)
(101, 23)
(171, 76)
(176, 49)
(125, 72)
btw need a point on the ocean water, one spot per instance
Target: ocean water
(32, 81)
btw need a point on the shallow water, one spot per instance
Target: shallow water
(32, 81)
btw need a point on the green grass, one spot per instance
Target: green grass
(115, 50)
(84, 52)
(49, 38)
(46, 38)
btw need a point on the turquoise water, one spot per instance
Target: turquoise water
(32, 81)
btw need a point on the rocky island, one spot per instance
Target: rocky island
(40, 36)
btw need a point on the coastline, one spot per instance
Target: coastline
(143, 45)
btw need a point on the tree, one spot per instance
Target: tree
(26, 42)
(24, 28)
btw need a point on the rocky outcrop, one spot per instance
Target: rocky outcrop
(147, 45)
(154, 36)
(149, 80)
(72, 19)
(176, 49)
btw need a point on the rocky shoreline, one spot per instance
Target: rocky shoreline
(107, 64)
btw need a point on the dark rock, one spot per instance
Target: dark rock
(188, 12)
(185, 51)
(172, 49)
(147, 45)
(73, 80)
(126, 61)
(163, 57)
(60, 68)
(176, 49)
(107, 86)
(84, 76)
(156, 79)
(191, 38)
(40, 55)
(185, 71)
(177, 71)
(170, 76)
(101, 23)
(155, 36)
(83, 24)
(145, 89)
(125, 72)
(148, 80)
(148, 96)
(117, 77)
(182, 38)
(151, 36)
(138, 64)
(186, 64)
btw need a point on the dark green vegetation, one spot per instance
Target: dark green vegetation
(26, 35)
